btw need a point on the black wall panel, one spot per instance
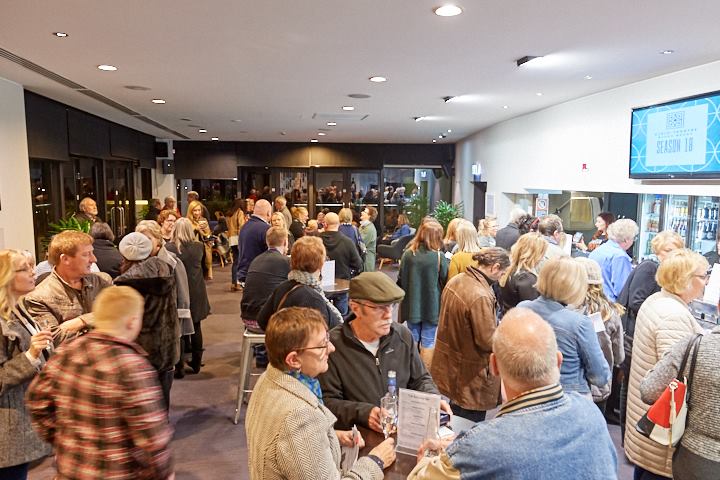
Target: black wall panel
(47, 128)
(88, 136)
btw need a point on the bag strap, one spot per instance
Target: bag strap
(284, 297)
(696, 341)
(687, 355)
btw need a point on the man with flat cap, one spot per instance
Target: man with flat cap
(367, 346)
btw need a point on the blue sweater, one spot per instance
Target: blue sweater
(251, 243)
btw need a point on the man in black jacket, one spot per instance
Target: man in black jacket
(267, 271)
(347, 259)
(367, 346)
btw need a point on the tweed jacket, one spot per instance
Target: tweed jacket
(99, 403)
(55, 301)
(702, 429)
(663, 320)
(460, 366)
(18, 441)
(290, 434)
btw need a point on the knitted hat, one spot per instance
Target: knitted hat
(375, 287)
(592, 268)
(135, 246)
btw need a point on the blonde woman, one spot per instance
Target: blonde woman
(278, 220)
(518, 282)
(449, 242)
(611, 336)
(487, 229)
(423, 273)
(663, 320)
(201, 227)
(23, 349)
(467, 247)
(563, 282)
(235, 224)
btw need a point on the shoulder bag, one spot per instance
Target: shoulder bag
(664, 422)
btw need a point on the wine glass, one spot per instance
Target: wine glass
(388, 415)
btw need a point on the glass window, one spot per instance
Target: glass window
(294, 186)
(329, 188)
(45, 201)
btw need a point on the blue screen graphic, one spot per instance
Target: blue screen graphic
(678, 139)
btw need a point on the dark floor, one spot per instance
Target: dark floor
(206, 444)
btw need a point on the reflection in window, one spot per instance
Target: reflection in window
(294, 186)
(329, 187)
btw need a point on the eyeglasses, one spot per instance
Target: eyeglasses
(386, 307)
(319, 347)
(27, 269)
(704, 276)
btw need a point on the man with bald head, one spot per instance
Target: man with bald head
(340, 248)
(540, 432)
(88, 210)
(251, 241)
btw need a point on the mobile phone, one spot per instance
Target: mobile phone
(444, 418)
(577, 237)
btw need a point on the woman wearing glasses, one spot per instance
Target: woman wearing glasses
(664, 318)
(22, 347)
(290, 431)
(302, 289)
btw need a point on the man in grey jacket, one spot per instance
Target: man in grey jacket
(367, 346)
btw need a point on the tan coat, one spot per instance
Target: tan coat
(235, 223)
(662, 320)
(460, 365)
(290, 434)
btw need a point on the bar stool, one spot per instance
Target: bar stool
(249, 339)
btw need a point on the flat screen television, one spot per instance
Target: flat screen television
(677, 139)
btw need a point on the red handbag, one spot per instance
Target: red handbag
(664, 422)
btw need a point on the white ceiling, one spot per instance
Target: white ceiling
(274, 64)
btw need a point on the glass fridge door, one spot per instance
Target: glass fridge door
(705, 225)
(650, 216)
(677, 215)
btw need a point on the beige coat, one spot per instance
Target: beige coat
(663, 319)
(290, 434)
(460, 364)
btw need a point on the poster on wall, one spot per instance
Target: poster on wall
(542, 204)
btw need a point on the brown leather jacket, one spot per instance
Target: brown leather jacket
(460, 366)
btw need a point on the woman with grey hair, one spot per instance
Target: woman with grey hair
(612, 256)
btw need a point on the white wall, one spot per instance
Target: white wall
(16, 218)
(164, 185)
(545, 150)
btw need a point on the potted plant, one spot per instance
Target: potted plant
(444, 212)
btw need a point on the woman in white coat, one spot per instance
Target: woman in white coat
(663, 319)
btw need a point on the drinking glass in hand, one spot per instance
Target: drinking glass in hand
(388, 415)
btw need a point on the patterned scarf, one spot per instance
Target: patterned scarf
(313, 384)
(308, 279)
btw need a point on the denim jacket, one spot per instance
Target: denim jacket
(563, 438)
(583, 360)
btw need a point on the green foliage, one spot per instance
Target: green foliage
(444, 212)
(416, 209)
(69, 223)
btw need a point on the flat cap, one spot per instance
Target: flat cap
(375, 287)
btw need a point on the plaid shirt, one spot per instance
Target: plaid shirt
(98, 402)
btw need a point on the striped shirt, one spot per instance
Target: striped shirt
(98, 402)
(531, 398)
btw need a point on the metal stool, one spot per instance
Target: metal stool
(249, 339)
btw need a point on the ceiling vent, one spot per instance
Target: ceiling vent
(340, 117)
(23, 62)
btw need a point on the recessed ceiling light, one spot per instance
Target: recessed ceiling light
(358, 95)
(60, 34)
(441, 136)
(527, 59)
(215, 138)
(448, 11)
(378, 79)
(107, 68)
(588, 77)
(448, 98)
(434, 141)
(314, 140)
(202, 130)
(331, 124)
(539, 94)
(138, 88)
(348, 108)
(506, 107)
(449, 130)
(186, 120)
(667, 52)
(237, 120)
(322, 134)
(159, 101)
(418, 119)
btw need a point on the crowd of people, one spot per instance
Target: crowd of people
(501, 322)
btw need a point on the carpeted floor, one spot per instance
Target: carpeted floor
(206, 445)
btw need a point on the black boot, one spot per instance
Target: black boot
(196, 361)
